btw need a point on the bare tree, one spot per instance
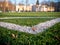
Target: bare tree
(26, 4)
(52, 4)
(5, 5)
(15, 5)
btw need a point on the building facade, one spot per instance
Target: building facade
(44, 8)
(6, 6)
(23, 8)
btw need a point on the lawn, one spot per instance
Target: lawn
(49, 37)
(26, 21)
(31, 14)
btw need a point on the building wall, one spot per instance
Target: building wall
(33, 8)
(28, 8)
(1, 6)
(45, 8)
(6, 6)
(21, 8)
(11, 7)
(51, 9)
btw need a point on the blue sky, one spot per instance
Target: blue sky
(29, 1)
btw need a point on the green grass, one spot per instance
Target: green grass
(27, 21)
(29, 14)
(49, 37)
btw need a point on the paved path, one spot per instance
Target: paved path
(33, 30)
(24, 17)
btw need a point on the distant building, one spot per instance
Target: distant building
(43, 8)
(6, 6)
(23, 8)
(36, 8)
(51, 9)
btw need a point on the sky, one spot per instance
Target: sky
(29, 1)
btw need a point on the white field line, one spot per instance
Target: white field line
(37, 28)
(23, 17)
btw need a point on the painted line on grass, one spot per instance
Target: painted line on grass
(33, 30)
(24, 17)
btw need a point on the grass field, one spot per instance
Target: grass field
(29, 14)
(50, 37)
(27, 21)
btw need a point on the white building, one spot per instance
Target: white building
(45, 8)
(22, 8)
(34, 8)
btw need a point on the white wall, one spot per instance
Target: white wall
(17, 7)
